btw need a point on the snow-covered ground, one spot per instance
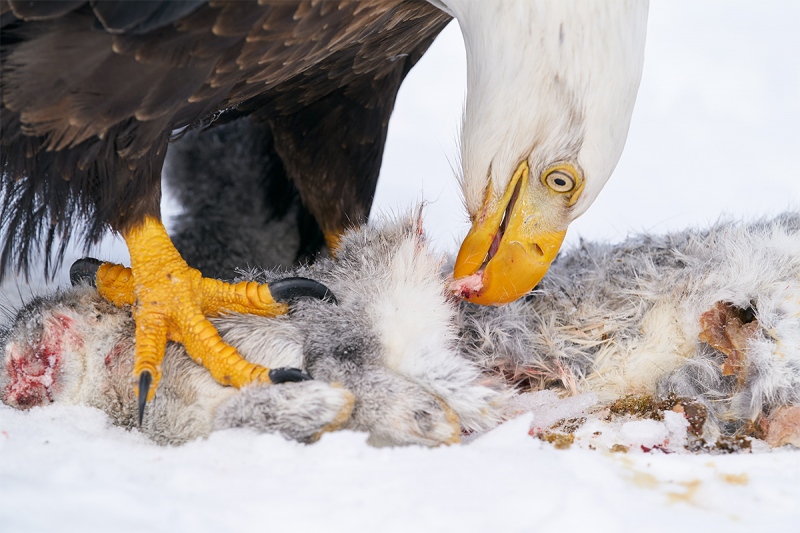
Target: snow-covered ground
(65, 469)
(714, 132)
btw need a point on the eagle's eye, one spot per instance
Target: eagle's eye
(560, 180)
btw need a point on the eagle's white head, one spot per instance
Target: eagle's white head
(550, 91)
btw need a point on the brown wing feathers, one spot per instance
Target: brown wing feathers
(40, 10)
(92, 90)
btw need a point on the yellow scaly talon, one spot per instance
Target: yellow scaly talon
(171, 301)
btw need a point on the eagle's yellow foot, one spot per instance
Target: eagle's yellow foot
(171, 301)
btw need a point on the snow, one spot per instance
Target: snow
(648, 432)
(714, 132)
(65, 468)
(547, 408)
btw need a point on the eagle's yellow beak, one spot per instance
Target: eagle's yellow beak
(509, 248)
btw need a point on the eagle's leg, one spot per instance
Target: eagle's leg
(171, 302)
(333, 240)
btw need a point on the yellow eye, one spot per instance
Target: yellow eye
(560, 180)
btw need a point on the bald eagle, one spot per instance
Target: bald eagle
(93, 92)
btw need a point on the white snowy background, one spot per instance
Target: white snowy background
(714, 134)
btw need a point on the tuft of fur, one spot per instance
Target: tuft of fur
(391, 339)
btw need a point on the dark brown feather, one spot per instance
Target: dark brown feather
(141, 16)
(43, 9)
(87, 113)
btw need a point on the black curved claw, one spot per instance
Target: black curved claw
(84, 270)
(145, 379)
(287, 374)
(287, 289)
